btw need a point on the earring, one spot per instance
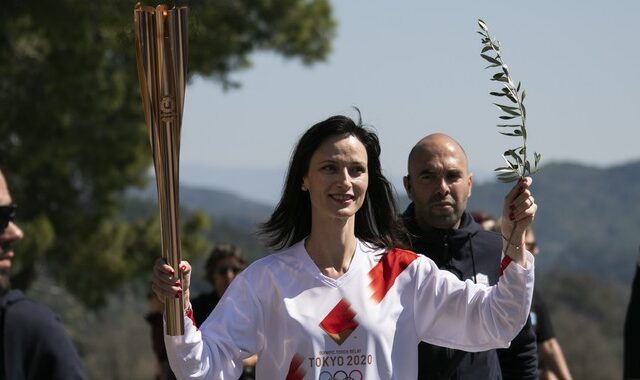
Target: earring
(303, 188)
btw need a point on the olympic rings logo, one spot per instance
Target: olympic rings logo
(341, 375)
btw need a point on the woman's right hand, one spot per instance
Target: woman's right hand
(166, 283)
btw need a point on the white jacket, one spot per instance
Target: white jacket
(364, 325)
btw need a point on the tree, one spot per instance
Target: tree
(73, 133)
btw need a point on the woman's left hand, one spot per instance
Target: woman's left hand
(517, 214)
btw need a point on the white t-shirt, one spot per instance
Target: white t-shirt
(364, 325)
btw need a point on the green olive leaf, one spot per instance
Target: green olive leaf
(512, 165)
(491, 59)
(514, 133)
(508, 109)
(509, 177)
(517, 163)
(537, 157)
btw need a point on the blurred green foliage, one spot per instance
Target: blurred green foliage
(73, 133)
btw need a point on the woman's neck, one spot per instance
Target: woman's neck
(331, 246)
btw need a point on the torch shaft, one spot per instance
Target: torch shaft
(161, 52)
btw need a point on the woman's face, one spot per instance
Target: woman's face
(337, 178)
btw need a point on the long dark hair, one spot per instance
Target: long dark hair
(376, 221)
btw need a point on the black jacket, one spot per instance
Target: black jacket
(34, 344)
(632, 330)
(203, 305)
(471, 253)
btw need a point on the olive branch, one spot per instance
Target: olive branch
(517, 164)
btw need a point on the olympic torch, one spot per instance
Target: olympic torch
(161, 39)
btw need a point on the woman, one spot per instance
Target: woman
(340, 301)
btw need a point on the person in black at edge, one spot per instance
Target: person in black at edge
(439, 184)
(34, 345)
(632, 330)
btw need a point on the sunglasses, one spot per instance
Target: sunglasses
(7, 215)
(222, 271)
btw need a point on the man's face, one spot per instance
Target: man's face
(8, 236)
(439, 183)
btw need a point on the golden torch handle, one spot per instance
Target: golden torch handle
(161, 37)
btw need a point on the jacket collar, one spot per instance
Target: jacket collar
(468, 226)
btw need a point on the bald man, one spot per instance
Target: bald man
(34, 344)
(439, 185)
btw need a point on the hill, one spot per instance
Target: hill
(234, 219)
(221, 205)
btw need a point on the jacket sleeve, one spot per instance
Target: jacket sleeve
(231, 333)
(520, 360)
(468, 316)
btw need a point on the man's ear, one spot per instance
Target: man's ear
(470, 184)
(407, 186)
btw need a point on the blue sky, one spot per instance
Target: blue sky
(413, 68)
